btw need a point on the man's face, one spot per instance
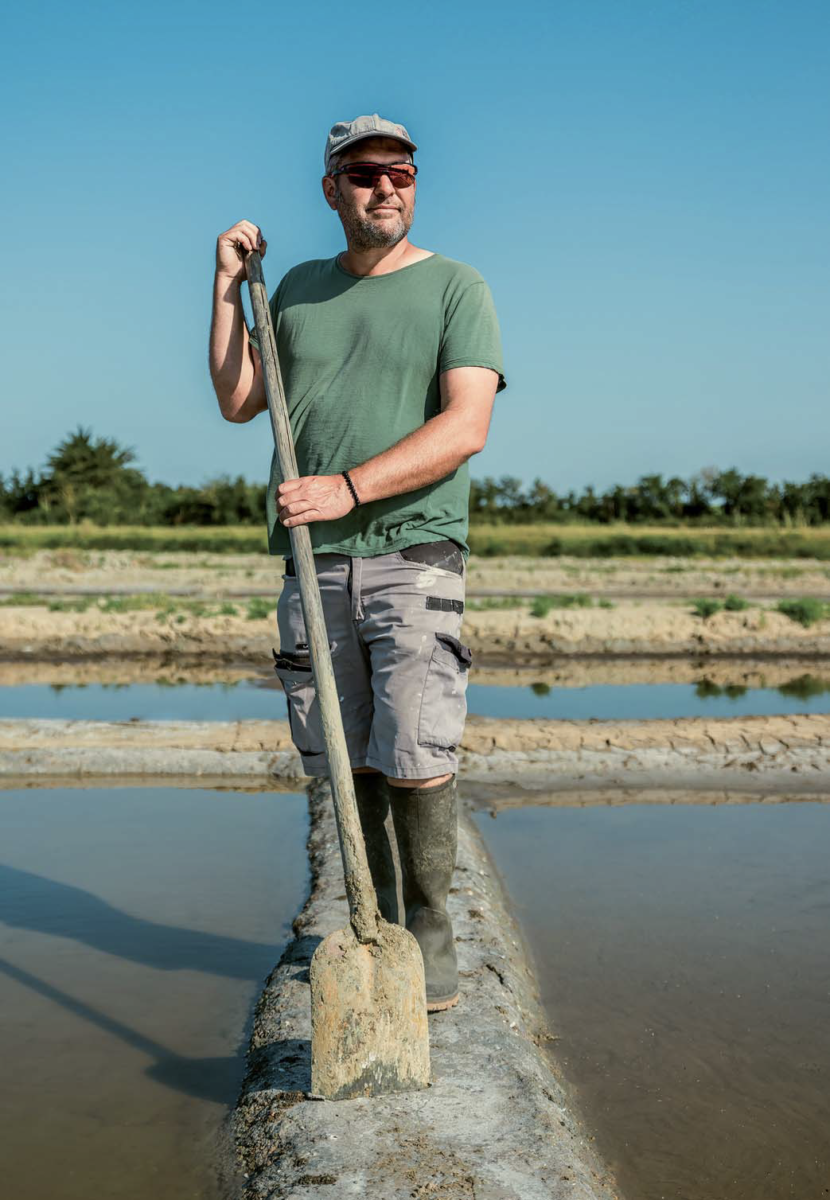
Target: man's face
(377, 216)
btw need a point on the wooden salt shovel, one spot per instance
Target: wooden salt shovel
(368, 997)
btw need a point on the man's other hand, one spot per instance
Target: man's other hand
(313, 498)
(233, 245)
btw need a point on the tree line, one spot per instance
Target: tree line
(94, 479)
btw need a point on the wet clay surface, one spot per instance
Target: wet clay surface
(769, 735)
(790, 752)
(681, 952)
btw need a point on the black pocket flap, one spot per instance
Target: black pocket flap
(445, 555)
(285, 661)
(461, 652)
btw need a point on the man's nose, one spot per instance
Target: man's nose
(384, 186)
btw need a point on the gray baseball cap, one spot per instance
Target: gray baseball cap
(346, 133)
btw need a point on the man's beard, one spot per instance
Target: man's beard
(365, 234)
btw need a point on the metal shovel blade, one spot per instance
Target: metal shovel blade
(368, 1015)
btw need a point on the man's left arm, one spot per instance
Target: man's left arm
(431, 452)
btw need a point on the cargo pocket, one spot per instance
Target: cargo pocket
(444, 699)
(446, 556)
(294, 673)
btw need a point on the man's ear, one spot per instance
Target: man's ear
(330, 191)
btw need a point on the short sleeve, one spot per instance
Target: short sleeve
(471, 333)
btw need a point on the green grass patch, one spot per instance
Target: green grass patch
(543, 539)
(25, 539)
(805, 611)
(260, 608)
(542, 605)
(22, 600)
(80, 605)
(734, 603)
(485, 603)
(163, 605)
(706, 607)
(140, 603)
(620, 541)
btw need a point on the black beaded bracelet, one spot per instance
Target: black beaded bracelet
(355, 496)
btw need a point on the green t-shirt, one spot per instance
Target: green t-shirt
(360, 358)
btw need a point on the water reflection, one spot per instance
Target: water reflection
(682, 953)
(802, 687)
(204, 1078)
(261, 698)
(136, 926)
(30, 901)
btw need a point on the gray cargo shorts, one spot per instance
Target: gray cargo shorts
(393, 623)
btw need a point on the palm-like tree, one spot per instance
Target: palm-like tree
(85, 461)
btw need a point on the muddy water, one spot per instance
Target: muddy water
(136, 927)
(683, 957)
(260, 698)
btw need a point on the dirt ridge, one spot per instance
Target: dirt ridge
(497, 1121)
(510, 636)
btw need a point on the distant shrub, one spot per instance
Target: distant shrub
(806, 611)
(735, 603)
(704, 607)
(541, 606)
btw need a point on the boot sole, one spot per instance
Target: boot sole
(440, 1005)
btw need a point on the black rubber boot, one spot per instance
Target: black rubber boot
(373, 806)
(426, 828)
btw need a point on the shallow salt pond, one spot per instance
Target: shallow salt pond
(262, 699)
(136, 929)
(682, 952)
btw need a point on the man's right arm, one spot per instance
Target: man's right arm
(235, 367)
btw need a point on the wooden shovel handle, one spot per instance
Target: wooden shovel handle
(359, 890)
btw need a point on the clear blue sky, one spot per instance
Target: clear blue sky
(645, 186)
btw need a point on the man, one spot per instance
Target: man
(391, 360)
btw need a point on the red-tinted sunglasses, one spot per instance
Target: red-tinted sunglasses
(369, 174)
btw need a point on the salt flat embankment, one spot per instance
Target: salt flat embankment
(789, 753)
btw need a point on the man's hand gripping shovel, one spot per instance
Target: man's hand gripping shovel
(368, 997)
